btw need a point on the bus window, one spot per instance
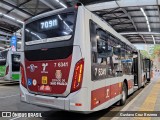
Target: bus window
(103, 51)
(146, 65)
(98, 52)
(110, 64)
(53, 26)
(116, 60)
(98, 43)
(124, 61)
(101, 44)
(129, 62)
(117, 51)
(123, 53)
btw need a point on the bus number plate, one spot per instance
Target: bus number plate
(44, 80)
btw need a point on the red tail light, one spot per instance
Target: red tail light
(77, 76)
(78, 4)
(23, 81)
(7, 70)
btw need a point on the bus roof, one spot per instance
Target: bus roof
(46, 14)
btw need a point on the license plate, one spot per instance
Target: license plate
(44, 80)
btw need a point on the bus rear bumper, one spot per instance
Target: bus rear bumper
(73, 102)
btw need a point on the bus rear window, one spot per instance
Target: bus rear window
(53, 26)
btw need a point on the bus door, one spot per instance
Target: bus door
(135, 71)
(148, 69)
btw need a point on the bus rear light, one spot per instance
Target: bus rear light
(78, 104)
(77, 5)
(7, 70)
(77, 76)
(23, 81)
(44, 49)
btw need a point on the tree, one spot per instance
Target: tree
(145, 53)
(156, 51)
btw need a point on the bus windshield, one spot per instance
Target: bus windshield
(1, 57)
(3, 54)
(53, 26)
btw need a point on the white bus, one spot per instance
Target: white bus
(73, 60)
(10, 65)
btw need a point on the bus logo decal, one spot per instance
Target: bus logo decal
(45, 88)
(41, 88)
(44, 65)
(58, 74)
(34, 82)
(32, 67)
(44, 80)
(29, 82)
(58, 80)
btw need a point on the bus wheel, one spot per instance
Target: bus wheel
(144, 82)
(124, 95)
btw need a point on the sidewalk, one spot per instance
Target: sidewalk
(147, 100)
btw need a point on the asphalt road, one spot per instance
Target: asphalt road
(10, 101)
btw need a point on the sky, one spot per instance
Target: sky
(143, 46)
(140, 46)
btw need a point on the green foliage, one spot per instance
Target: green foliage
(156, 51)
(145, 53)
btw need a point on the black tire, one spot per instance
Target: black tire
(124, 94)
(144, 82)
(148, 80)
(143, 86)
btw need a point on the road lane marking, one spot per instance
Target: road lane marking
(14, 118)
(9, 96)
(150, 101)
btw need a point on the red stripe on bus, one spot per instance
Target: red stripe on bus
(101, 95)
(130, 84)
